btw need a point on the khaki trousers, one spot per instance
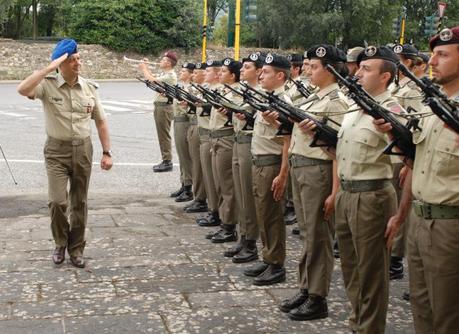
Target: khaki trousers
(399, 244)
(68, 164)
(206, 163)
(222, 156)
(242, 178)
(164, 114)
(270, 214)
(311, 187)
(433, 261)
(182, 147)
(361, 220)
(199, 190)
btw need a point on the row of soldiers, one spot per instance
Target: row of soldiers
(237, 158)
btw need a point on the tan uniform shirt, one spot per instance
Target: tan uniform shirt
(168, 77)
(204, 121)
(218, 120)
(238, 124)
(408, 95)
(178, 109)
(69, 110)
(360, 147)
(325, 102)
(265, 139)
(436, 167)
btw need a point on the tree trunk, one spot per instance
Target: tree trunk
(34, 19)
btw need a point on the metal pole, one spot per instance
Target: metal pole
(237, 39)
(8, 165)
(204, 33)
(402, 27)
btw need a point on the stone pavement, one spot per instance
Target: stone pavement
(150, 270)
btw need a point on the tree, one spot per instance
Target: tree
(138, 25)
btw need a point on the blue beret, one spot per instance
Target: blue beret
(65, 46)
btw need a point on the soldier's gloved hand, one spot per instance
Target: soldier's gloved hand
(106, 163)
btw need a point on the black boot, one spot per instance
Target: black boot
(197, 205)
(248, 252)
(396, 267)
(164, 166)
(256, 269)
(406, 296)
(289, 215)
(178, 192)
(230, 252)
(186, 195)
(212, 219)
(315, 307)
(295, 231)
(227, 233)
(273, 274)
(289, 304)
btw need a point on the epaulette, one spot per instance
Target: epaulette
(92, 83)
(52, 76)
(334, 94)
(412, 85)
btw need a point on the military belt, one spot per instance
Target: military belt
(181, 119)
(221, 133)
(435, 211)
(73, 142)
(364, 185)
(242, 138)
(297, 160)
(266, 160)
(203, 131)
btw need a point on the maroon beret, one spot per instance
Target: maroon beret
(172, 56)
(445, 37)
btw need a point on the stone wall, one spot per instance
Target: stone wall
(20, 58)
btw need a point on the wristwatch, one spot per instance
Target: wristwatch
(107, 153)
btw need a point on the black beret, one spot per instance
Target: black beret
(189, 66)
(233, 65)
(445, 37)
(382, 52)
(255, 58)
(328, 52)
(295, 58)
(278, 61)
(200, 66)
(64, 46)
(214, 63)
(425, 57)
(407, 50)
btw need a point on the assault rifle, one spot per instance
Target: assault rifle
(302, 88)
(402, 136)
(156, 86)
(325, 135)
(444, 108)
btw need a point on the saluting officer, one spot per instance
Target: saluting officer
(70, 102)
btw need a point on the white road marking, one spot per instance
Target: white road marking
(120, 103)
(142, 102)
(94, 163)
(12, 114)
(112, 108)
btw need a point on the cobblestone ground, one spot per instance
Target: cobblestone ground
(150, 270)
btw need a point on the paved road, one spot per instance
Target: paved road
(135, 145)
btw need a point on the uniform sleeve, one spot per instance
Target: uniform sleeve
(169, 78)
(39, 91)
(98, 113)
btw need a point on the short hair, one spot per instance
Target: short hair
(285, 71)
(341, 68)
(391, 68)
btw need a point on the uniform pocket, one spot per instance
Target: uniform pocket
(365, 141)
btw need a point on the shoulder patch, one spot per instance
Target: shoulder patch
(395, 107)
